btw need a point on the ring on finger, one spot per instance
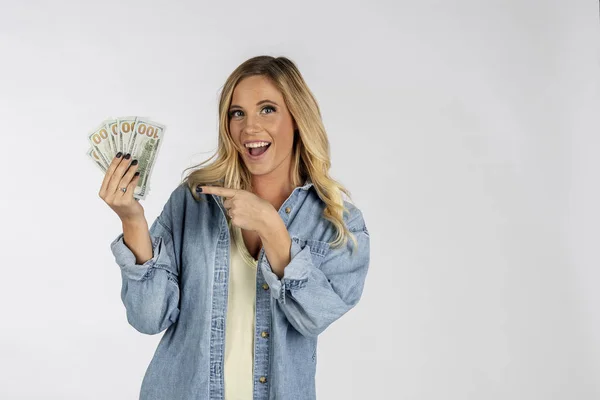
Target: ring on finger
(123, 185)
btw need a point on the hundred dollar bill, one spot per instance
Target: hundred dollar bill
(101, 142)
(112, 127)
(95, 158)
(126, 125)
(145, 144)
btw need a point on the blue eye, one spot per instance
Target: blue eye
(232, 113)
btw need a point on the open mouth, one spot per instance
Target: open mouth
(255, 152)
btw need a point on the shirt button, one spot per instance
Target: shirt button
(287, 210)
(265, 286)
(264, 334)
(262, 379)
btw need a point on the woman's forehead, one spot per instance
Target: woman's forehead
(256, 88)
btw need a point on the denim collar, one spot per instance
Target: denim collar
(307, 184)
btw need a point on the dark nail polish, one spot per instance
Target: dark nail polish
(127, 157)
(136, 173)
(119, 154)
(134, 162)
(198, 189)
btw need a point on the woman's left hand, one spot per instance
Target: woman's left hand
(245, 209)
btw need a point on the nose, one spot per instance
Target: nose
(252, 126)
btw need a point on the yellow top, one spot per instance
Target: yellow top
(239, 328)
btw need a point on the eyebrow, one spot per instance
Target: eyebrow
(258, 104)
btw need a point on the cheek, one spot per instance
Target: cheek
(235, 132)
(284, 142)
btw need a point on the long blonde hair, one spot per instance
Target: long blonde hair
(310, 154)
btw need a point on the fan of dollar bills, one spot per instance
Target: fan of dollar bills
(138, 136)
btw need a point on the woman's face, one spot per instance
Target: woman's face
(258, 114)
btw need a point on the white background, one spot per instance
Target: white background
(467, 132)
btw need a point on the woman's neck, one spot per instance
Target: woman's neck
(273, 189)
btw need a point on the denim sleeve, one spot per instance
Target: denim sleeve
(150, 291)
(313, 293)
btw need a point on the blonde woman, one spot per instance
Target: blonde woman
(253, 255)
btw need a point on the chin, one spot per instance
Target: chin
(260, 170)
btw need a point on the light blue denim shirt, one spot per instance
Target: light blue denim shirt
(183, 289)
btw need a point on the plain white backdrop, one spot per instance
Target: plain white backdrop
(467, 132)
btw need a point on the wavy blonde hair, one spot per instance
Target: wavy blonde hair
(310, 154)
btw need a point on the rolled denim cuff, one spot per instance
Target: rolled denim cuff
(295, 274)
(127, 261)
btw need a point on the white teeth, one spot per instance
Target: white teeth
(257, 144)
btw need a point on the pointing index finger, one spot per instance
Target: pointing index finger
(219, 191)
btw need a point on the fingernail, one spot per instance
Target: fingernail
(198, 189)
(134, 162)
(136, 173)
(127, 156)
(119, 154)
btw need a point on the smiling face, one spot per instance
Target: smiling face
(258, 114)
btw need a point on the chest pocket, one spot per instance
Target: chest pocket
(318, 249)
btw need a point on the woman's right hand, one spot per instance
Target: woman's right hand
(121, 173)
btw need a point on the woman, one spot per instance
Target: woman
(242, 315)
